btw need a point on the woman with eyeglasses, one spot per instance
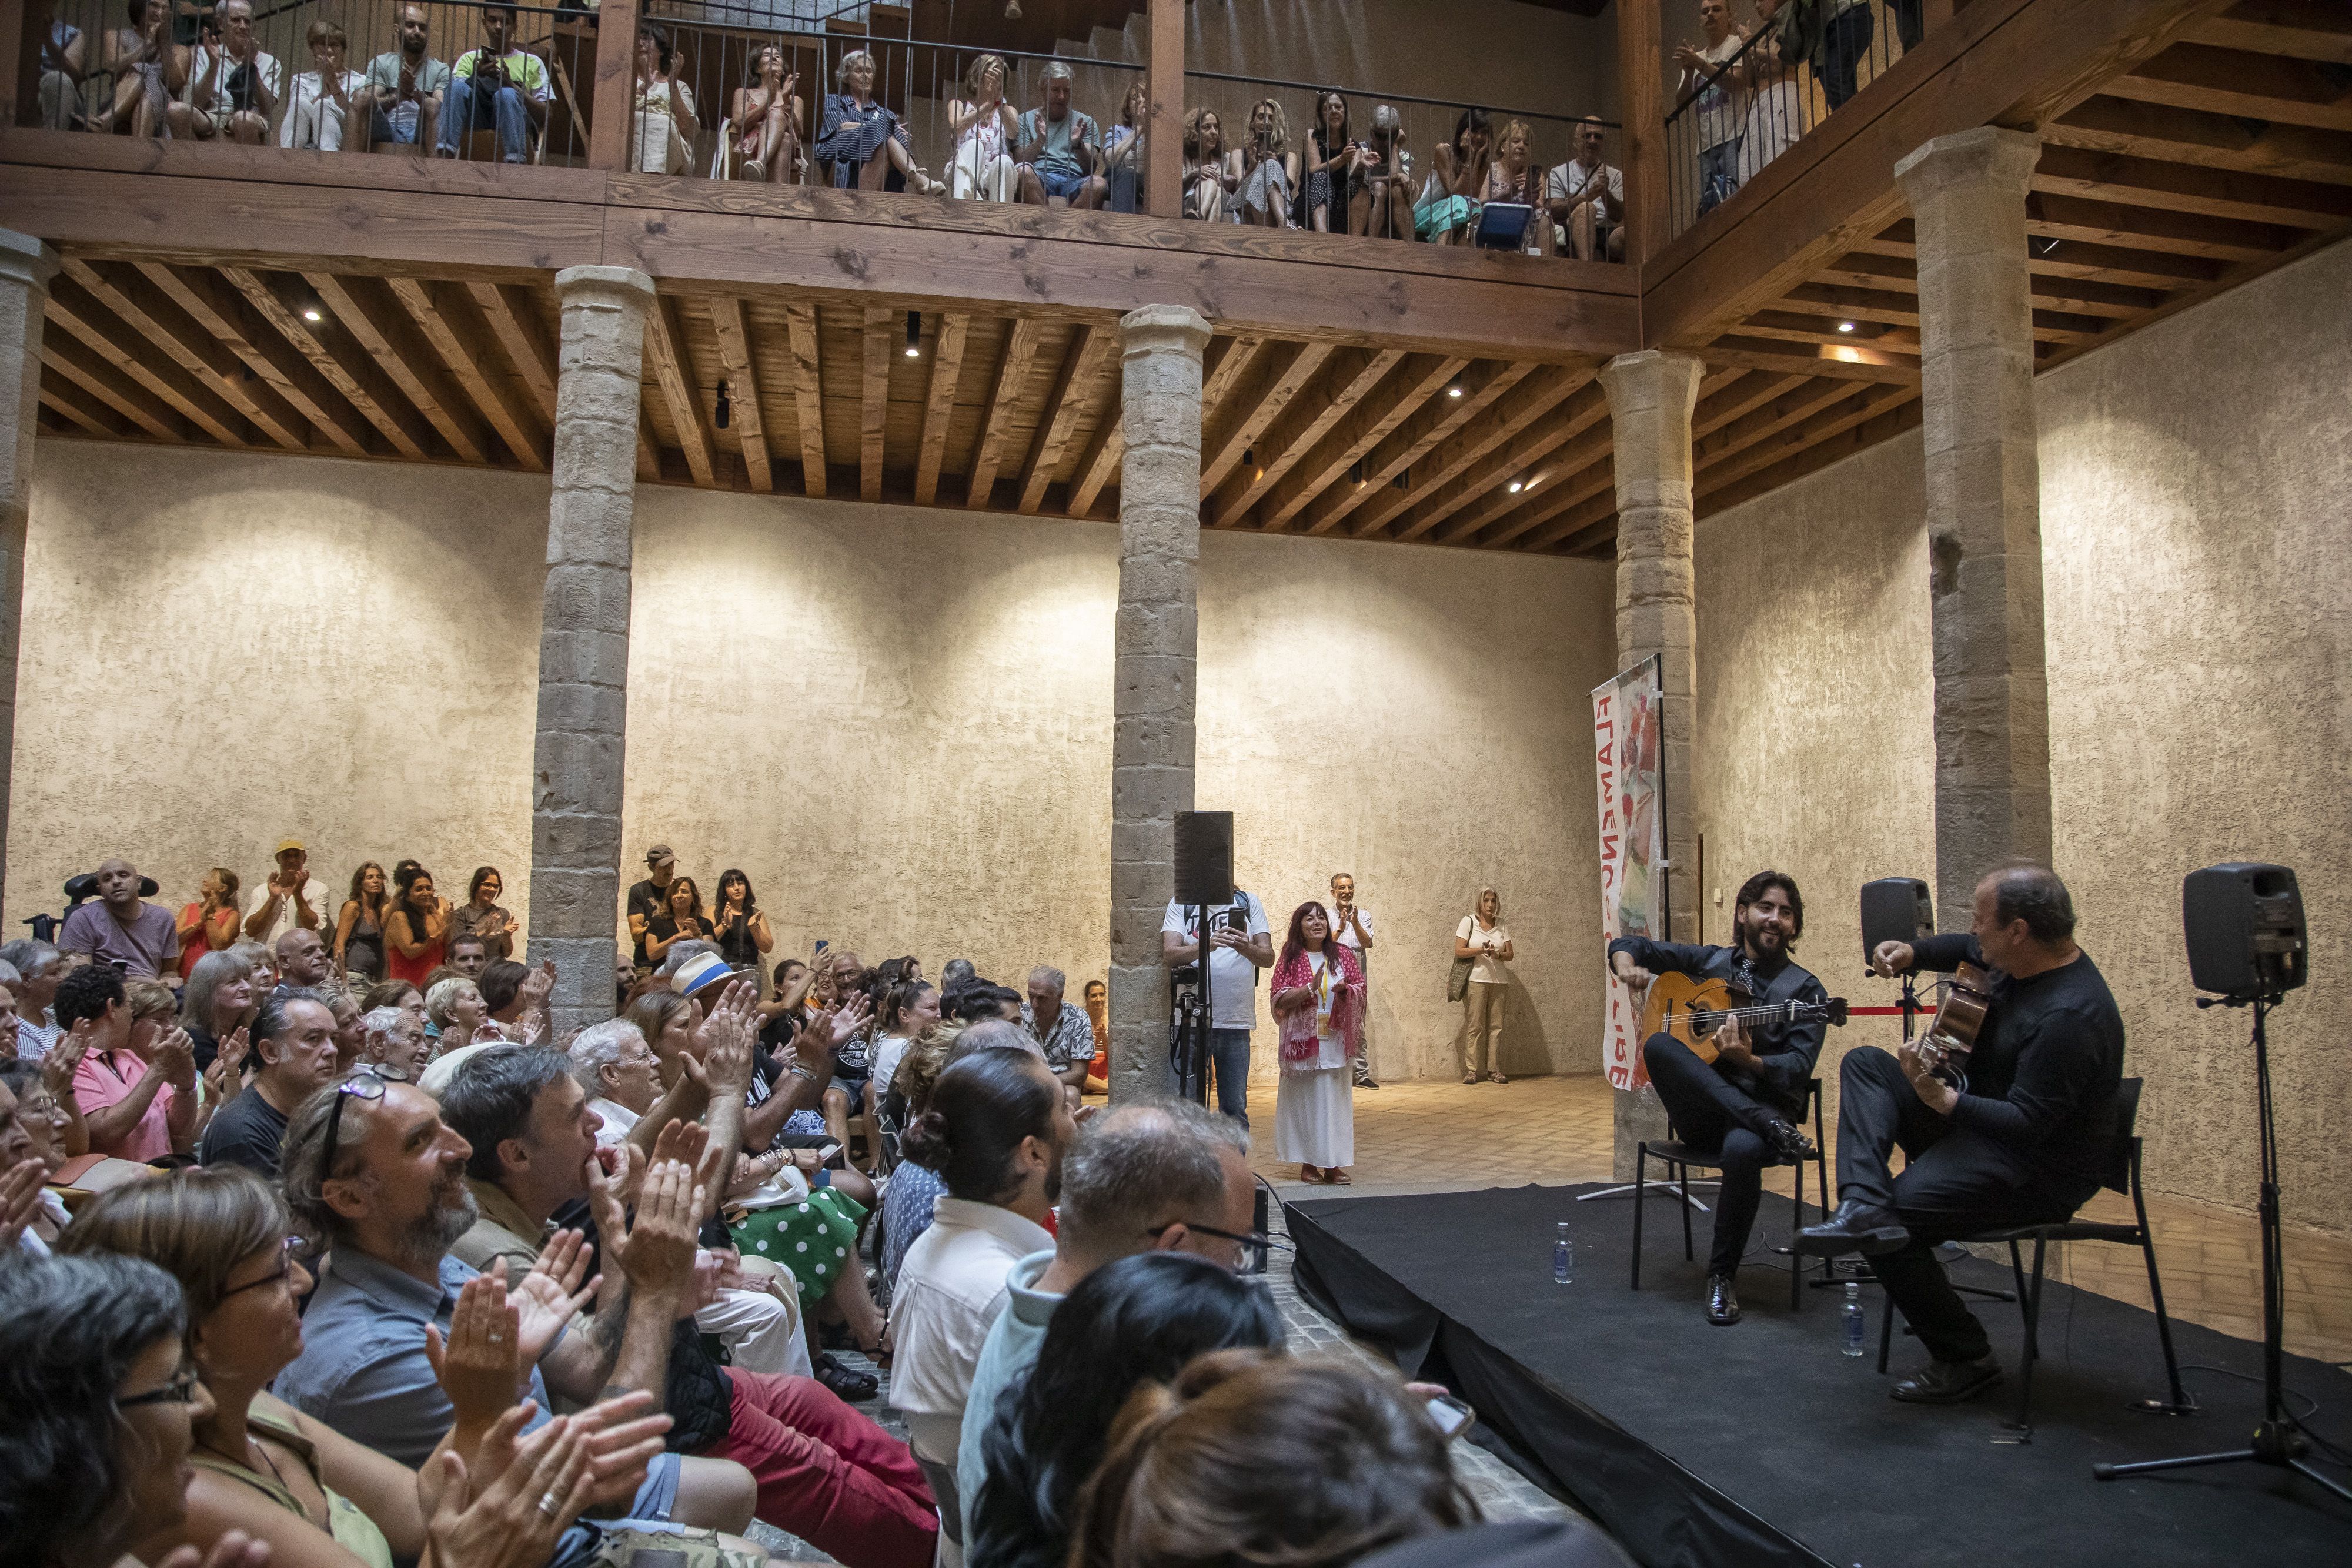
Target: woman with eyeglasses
(35, 1129)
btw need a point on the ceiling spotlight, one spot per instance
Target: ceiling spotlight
(914, 334)
(312, 315)
(1455, 388)
(1845, 326)
(725, 407)
(1516, 487)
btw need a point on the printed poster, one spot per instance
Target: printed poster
(1628, 749)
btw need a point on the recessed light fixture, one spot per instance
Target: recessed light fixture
(914, 334)
(1517, 486)
(1845, 326)
(312, 315)
(1453, 389)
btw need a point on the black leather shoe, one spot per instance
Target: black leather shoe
(1948, 1381)
(1364, 1080)
(1854, 1228)
(1788, 1142)
(1722, 1301)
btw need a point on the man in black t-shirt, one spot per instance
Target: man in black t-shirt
(293, 1057)
(647, 897)
(2026, 1142)
(1746, 1101)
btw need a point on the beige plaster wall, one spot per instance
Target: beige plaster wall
(897, 722)
(2194, 482)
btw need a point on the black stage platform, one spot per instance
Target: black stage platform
(1760, 1444)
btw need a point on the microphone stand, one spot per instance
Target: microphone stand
(2276, 1441)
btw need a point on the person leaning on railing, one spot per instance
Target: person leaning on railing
(1711, 76)
(497, 85)
(1775, 102)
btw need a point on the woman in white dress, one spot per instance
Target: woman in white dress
(1483, 940)
(663, 125)
(1318, 1007)
(983, 125)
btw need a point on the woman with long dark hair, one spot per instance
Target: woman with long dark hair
(1317, 993)
(664, 125)
(359, 929)
(741, 927)
(767, 119)
(416, 926)
(480, 916)
(1140, 1320)
(1448, 208)
(1327, 170)
(680, 916)
(209, 924)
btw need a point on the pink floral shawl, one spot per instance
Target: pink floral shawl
(1300, 1041)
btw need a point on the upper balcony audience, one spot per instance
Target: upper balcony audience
(235, 87)
(497, 86)
(405, 86)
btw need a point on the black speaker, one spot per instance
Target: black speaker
(1205, 857)
(1895, 909)
(2244, 926)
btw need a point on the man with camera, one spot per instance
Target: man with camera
(2023, 1139)
(1240, 942)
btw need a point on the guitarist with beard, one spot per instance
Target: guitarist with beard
(1749, 1098)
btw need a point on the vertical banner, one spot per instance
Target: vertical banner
(1628, 750)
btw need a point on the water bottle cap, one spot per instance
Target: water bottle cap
(1853, 1290)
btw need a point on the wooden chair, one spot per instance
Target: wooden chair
(2123, 1176)
(1679, 1157)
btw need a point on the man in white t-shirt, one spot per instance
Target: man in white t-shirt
(1587, 199)
(1718, 112)
(289, 899)
(1241, 944)
(1352, 927)
(234, 84)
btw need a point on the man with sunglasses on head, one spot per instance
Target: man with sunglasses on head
(293, 1057)
(1162, 1175)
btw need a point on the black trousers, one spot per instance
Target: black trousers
(1954, 1183)
(1709, 1111)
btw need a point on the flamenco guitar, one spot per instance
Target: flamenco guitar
(1959, 1017)
(1692, 1010)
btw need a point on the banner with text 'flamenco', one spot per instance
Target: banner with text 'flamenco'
(1629, 757)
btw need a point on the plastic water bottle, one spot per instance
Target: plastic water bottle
(1563, 1258)
(1852, 1322)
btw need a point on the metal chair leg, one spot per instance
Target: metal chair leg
(2023, 1425)
(1886, 1331)
(1682, 1171)
(1797, 1259)
(2017, 1270)
(1640, 1180)
(2182, 1402)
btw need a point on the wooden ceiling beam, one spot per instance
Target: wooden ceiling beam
(2305, 29)
(1593, 519)
(1539, 420)
(1004, 394)
(303, 400)
(666, 357)
(1347, 380)
(1837, 415)
(453, 325)
(1100, 460)
(366, 308)
(1898, 344)
(1785, 412)
(938, 405)
(2242, 83)
(1283, 371)
(152, 320)
(70, 355)
(1419, 379)
(2191, 188)
(2164, 132)
(280, 299)
(2050, 215)
(649, 466)
(1434, 421)
(1845, 362)
(749, 422)
(124, 347)
(79, 406)
(514, 317)
(874, 399)
(1866, 430)
(1075, 385)
(808, 395)
(1553, 481)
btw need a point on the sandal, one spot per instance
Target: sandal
(1339, 1178)
(1497, 1078)
(856, 1387)
(1469, 1078)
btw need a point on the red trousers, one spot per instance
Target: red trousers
(827, 1474)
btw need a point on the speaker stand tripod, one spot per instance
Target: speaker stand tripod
(2276, 1441)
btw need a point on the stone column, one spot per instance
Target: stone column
(26, 267)
(1157, 666)
(1966, 193)
(583, 640)
(1651, 396)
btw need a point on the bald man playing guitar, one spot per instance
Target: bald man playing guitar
(2021, 1135)
(1749, 1096)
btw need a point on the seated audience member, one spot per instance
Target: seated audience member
(825, 1472)
(1123, 151)
(984, 127)
(909, 1014)
(1586, 198)
(291, 1058)
(1516, 177)
(285, 1479)
(1059, 149)
(262, 959)
(214, 1005)
(766, 122)
(401, 994)
(467, 955)
(31, 1214)
(302, 959)
(1211, 170)
(842, 976)
(497, 86)
(985, 1001)
(455, 1009)
(40, 967)
(65, 57)
(416, 927)
(135, 1086)
(1448, 207)
(9, 981)
(663, 123)
(101, 1401)
(234, 86)
(911, 1199)
(392, 1042)
(1249, 1455)
(786, 1010)
(1139, 1180)
(210, 923)
(516, 996)
(1098, 1023)
(482, 916)
(405, 86)
(290, 896)
(137, 56)
(1060, 1028)
(1331, 156)
(358, 949)
(319, 107)
(995, 1131)
(351, 1029)
(38, 1127)
(1269, 169)
(122, 928)
(860, 142)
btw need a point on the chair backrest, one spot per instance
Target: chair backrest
(2119, 1157)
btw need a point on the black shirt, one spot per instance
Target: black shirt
(245, 1131)
(646, 899)
(1785, 1051)
(2047, 1065)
